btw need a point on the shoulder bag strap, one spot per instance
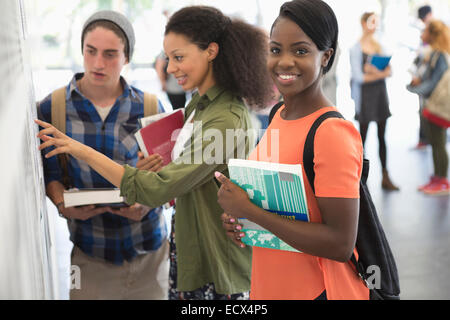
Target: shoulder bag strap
(59, 109)
(150, 104)
(58, 112)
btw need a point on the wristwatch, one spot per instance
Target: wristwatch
(58, 206)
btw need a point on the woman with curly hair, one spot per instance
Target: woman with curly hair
(225, 60)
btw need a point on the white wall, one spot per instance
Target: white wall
(26, 257)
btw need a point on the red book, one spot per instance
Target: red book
(160, 136)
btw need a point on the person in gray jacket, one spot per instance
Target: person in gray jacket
(437, 34)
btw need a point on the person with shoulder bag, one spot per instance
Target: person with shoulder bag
(434, 87)
(204, 48)
(122, 253)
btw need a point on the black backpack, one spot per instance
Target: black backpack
(375, 255)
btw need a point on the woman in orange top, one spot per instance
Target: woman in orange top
(303, 42)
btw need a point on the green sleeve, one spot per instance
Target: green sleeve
(176, 179)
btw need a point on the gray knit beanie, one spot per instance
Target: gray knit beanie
(118, 19)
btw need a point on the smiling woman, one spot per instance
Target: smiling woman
(234, 51)
(190, 65)
(298, 58)
(302, 47)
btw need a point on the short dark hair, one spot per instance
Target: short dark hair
(109, 26)
(423, 11)
(317, 20)
(241, 64)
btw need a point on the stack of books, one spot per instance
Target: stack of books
(159, 134)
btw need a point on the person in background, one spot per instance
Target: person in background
(437, 35)
(303, 43)
(369, 90)
(260, 114)
(425, 15)
(121, 253)
(221, 58)
(169, 84)
(329, 84)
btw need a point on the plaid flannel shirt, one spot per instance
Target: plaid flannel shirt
(107, 236)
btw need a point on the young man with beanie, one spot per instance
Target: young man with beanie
(121, 253)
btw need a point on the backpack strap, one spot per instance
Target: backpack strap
(58, 115)
(308, 151)
(308, 165)
(274, 110)
(58, 111)
(150, 104)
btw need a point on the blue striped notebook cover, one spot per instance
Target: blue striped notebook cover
(277, 188)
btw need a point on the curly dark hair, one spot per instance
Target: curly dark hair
(241, 65)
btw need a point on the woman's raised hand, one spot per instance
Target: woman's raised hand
(62, 143)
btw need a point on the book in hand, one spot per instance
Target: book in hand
(381, 62)
(159, 136)
(108, 197)
(276, 188)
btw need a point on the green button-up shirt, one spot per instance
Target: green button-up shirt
(204, 253)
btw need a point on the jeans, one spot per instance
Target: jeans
(437, 136)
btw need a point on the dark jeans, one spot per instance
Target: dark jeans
(422, 127)
(437, 136)
(381, 125)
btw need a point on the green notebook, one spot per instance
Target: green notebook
(278, 189)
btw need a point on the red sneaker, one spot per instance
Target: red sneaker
(433, 179)
(420, 146)
(440, 187)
